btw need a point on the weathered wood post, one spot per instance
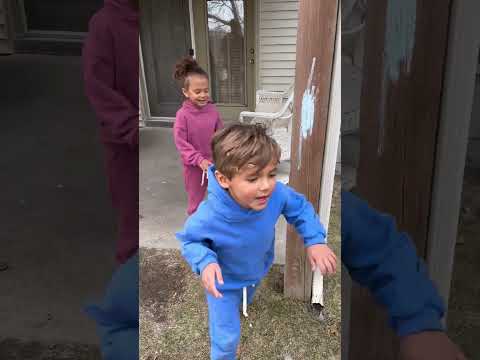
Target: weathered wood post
(313, 76)
(406, 42)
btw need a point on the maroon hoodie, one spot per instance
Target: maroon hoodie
(193, 132)
(111, 71)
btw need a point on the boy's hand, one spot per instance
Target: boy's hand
(209, 274)
(204, 164)
(429, 345)
(322, 258)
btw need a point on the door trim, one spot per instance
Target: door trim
(144, 104)
(192, 29)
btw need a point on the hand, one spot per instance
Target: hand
(322, 258)
(429, 345)
(208, 279)
(204, 164)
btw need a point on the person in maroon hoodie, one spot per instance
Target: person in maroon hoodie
(195, 123)
(109, 75)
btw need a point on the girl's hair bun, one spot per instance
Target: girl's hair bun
(186, 66)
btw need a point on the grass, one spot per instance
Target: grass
(464, 305)
(173, 312)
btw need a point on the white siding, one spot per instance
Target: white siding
(276, 43)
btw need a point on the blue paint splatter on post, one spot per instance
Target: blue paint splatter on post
(307, 113)
(400, 29)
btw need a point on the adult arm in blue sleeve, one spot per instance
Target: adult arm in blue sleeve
(385, 261)
(301, 214)
(195, 247)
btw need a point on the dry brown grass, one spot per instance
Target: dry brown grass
(173, 312)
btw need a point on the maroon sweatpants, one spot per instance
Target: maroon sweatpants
(193, 186)
(122, 171)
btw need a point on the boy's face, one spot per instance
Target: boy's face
(251, 187)
(197, 90)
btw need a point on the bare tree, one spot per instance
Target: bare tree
(220, 10)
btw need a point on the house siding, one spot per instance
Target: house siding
(277, 38)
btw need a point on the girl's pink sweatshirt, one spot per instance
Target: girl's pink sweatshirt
(193, 130)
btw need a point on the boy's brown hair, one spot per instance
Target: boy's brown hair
(238, 145)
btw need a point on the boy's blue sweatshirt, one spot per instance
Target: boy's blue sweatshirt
(385, 261)
(375, 254)
(242, 240)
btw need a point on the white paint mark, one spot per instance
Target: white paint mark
(398, 50)
(307, 113)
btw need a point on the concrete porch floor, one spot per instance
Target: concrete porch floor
(163, 200)
(58, 229)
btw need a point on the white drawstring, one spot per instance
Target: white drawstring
(203, 177)
(245, 301)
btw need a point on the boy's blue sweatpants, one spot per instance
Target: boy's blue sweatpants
(224, 322)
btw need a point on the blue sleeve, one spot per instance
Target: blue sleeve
(194, 245)
(117, 315)
(301, 214)
(385, 261)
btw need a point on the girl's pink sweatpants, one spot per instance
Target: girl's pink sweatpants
(193, 186)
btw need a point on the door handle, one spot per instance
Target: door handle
(252, 61)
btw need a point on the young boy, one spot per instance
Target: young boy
(229, 241)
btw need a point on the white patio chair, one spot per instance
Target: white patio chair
(275, 111)
(273, 108)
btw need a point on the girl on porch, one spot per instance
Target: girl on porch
(195, 123)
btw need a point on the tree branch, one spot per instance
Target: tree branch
(235, 11)
(216, 18)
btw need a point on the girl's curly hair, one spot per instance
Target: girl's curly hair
(185, 67)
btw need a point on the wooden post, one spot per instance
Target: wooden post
(330, 155)
(459, 89)
(406, 42)
(314, 64)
